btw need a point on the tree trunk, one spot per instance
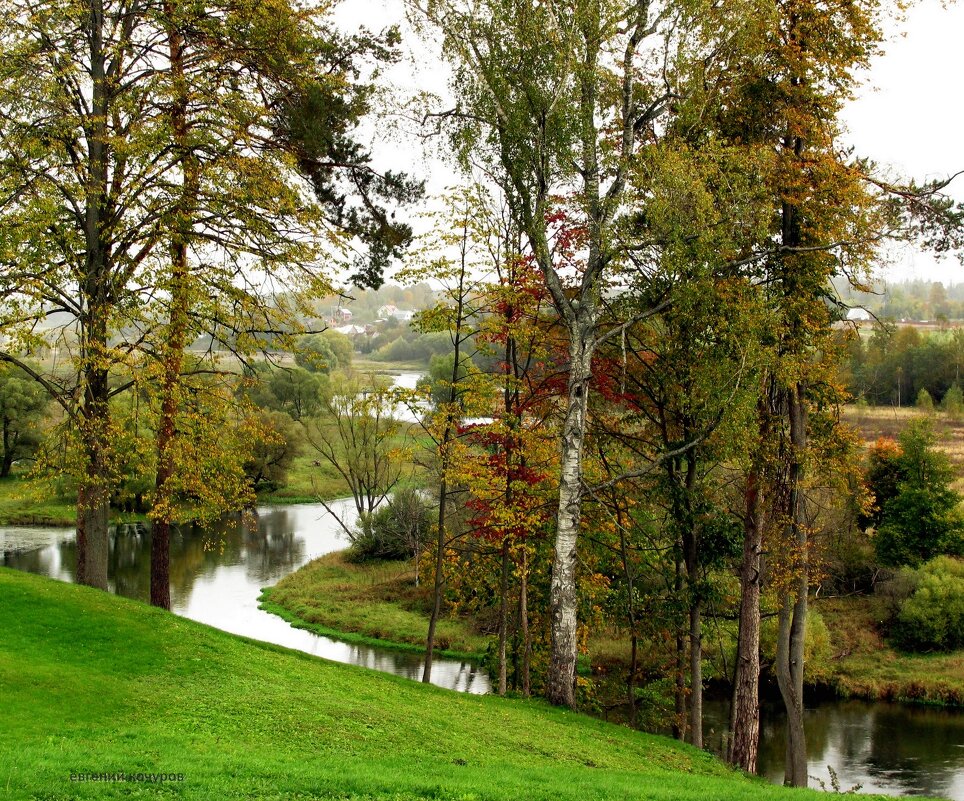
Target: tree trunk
(93, 512)
(679, 719)
(437, 586)
(93, 492)
(745, 711)
(696, 677)
(7, 463)
(563, 599)
(503, 616)
(631, 615)
(691, 560)
(176, 338)
(793, 610)
(524, 625)
(447, 435)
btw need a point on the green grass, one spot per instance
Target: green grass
(371, 603)
(95, 683)
(363, 365)
(864, 665)
(26, 503)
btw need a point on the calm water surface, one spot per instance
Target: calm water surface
(895, 749)
(217, 575)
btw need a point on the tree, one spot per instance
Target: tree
(141, 141)
(270, 66)
(23, 404)
(460, 226)
(919, 519)
(325, 352)
(358, 437)
(827, 218)
(953, 401)
(271, 456)
(78, 230)
(294, 391)
(559, 123)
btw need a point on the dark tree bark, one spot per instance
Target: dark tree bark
(691, 560)
(631, 615)
(793, 610)
(7, 464)
(176, 335)
(745, 711)
(679, 719)
(93, 492)
(503, 616)
(524, 625)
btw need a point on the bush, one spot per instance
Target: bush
(924, 401)
(817, 648)
(324, 352)
(395, 531)
(894, 589)
(953, 402)
(933, 617)
(921, 519)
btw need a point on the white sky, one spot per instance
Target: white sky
(909, 112)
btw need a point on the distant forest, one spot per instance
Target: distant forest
(909, 301)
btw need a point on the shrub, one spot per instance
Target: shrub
(933, 617)
(894, 589)
(953, 402)
(924, 401)
(397, 530)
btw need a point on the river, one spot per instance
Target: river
(217, 575)
(893, 749)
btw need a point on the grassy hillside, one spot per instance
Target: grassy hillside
(94, 683)
(864, 665)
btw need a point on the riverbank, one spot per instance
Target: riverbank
(377, 604)
(374, 603)
(863, 664)
(230, 718)
(25, 503)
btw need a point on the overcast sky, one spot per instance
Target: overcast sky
(909, 112)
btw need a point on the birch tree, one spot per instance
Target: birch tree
(556, 100)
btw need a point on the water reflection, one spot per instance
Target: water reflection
(217, 574)
(887, 748)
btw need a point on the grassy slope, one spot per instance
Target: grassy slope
(365, 603)
(91, 682)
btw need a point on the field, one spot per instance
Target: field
(888, 421)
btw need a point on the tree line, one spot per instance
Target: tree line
(672, 174)
(666, 205)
